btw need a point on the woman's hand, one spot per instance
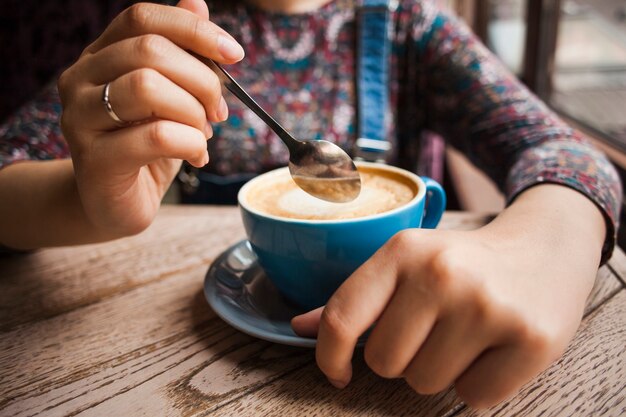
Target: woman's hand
(166, 96)
(485, 310)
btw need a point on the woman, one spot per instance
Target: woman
(484, 310)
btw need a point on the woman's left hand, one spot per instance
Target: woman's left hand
(485, 310)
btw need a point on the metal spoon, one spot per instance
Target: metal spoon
(319, 167)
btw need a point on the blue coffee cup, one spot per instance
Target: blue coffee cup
(307, 260)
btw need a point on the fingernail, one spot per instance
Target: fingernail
(229, 49)
(223, 110)
(204, 160)
(338, 384)
(208, 130)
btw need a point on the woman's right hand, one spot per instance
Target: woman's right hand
(165, 96)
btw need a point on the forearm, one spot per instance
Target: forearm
(559, 227)
(484, 111)
(40, 206)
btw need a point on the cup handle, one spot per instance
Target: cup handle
(435, 203)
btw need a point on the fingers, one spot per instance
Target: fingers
(524, 350)
(468, 323)
(140, 95)
(443, 317)
(392, 344)
(159, 54)
(354, 307)
(307, 325)
(496, 375)
(149, 37)
(198, 7)
(183, 27)
(135, 146)
(452, 345)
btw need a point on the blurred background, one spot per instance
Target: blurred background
(572, 53)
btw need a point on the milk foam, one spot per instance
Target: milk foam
(282, 197)
(300, 203)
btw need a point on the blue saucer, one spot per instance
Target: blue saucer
(241, 294)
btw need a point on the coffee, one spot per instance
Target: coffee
(381, 191)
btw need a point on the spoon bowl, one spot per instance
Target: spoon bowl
(319, 167)
(324, 170)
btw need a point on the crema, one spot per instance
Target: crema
(381, 191)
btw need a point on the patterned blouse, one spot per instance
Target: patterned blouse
(442, 79)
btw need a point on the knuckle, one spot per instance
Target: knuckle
(139, 15)
(380, 363)
(78, 149)
(201, 30)
(537, 340)
(335, 321)
(63, 85)
(399, 246)
(158, 135)
(87, 51)
(65, 123)
(482, 307)
(402, 240)
(67, 87)
(144, 83)
(151, 46)
(70, 118)
(443, 268)
(198, 29)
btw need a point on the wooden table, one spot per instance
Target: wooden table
(122, 328)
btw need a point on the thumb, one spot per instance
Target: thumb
(198, 7)
(307, 324)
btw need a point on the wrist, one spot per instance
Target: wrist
(557, 231)
(555, 215)
(557, 234)
(42, 207)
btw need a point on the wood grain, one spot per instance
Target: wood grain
(590, 378)
(606, 286)
(54, 281)
(122, 328)
(618, 264)
(306, 392)
(455, 220)
(136, 344)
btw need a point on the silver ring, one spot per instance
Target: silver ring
(109, 108)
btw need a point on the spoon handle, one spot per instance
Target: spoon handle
(232, 85)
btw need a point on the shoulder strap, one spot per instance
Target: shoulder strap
(373, 49)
